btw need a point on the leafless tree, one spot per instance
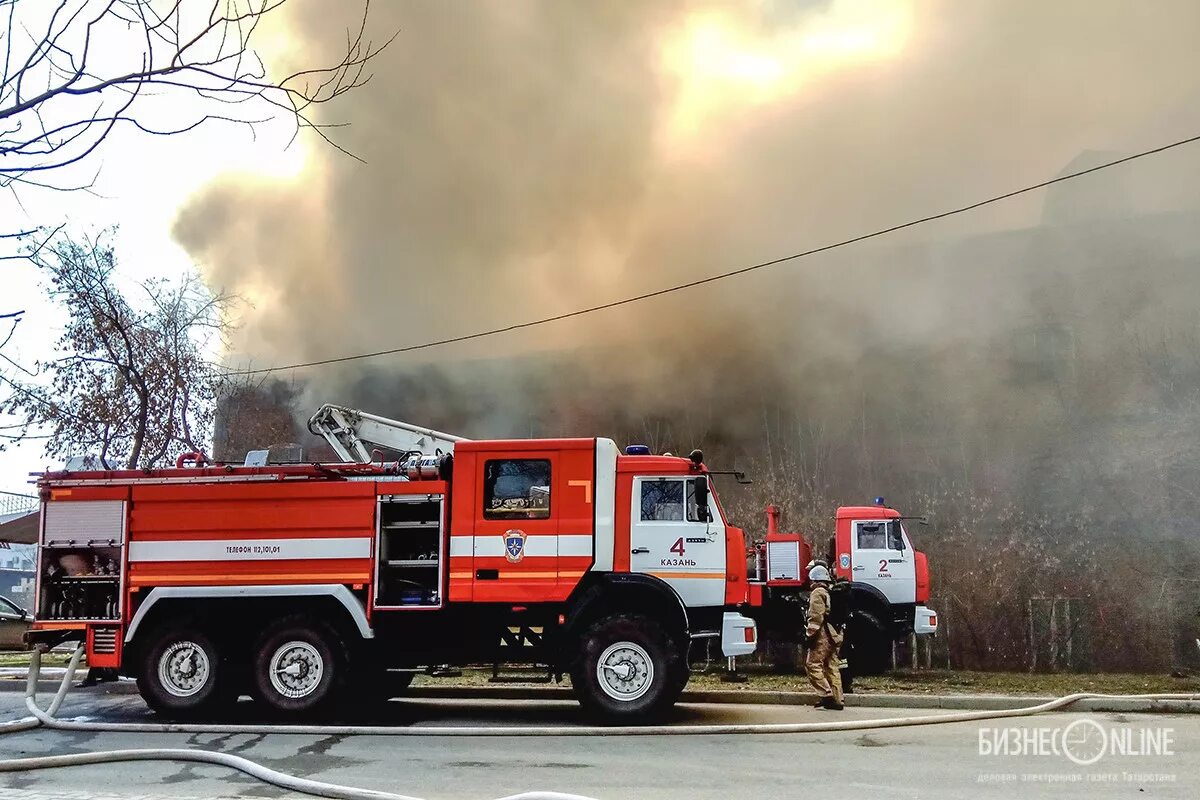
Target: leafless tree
(73, 71)
(131, 382)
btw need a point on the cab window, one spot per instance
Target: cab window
(662, 500)
(516, 488)
(672, 500)
(872, 536)
(879, 536)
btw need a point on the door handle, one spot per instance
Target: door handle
(637, 550)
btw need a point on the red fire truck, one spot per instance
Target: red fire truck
(889, 582)
(310, 586)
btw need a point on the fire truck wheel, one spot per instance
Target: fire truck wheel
(182, 674)
(627, 669)
(299, 666)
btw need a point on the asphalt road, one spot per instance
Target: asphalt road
(925, 762)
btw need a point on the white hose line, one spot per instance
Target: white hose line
(238, 763)
(31, 679)
(16, 725)
(251, 768)
(68, 676)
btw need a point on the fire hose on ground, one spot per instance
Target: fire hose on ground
(46, 718)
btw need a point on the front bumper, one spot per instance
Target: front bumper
(739, 635)
(925, 620)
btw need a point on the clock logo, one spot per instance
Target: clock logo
(1084, 742)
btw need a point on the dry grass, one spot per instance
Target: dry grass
(51, 659)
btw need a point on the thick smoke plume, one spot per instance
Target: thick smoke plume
(525, 159)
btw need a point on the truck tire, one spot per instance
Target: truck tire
(300, 667)
(183, 676)
(868, 648)
(627, 670)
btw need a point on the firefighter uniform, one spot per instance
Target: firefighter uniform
(821, 661)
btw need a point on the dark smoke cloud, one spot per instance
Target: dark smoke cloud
(516, 162)
(520, 164)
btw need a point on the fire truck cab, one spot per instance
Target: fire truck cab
(315, 587)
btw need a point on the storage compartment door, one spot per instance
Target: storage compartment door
(81, 560)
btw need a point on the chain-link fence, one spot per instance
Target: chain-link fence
(12, 503)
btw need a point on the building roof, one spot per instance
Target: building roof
(20, 528)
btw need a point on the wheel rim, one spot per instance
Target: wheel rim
(625, 671)
(184, 669)
(296, 669)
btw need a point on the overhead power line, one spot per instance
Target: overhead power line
(718, 277)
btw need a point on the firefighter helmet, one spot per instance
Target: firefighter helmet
(818, 573)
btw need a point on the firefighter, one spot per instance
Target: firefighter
(823, 642)
(841, 613)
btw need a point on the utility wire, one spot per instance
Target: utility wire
(721, 276)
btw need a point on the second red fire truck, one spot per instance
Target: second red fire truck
(308, 586)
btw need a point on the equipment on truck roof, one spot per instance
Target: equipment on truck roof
(351, 432)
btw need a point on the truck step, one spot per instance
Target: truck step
(531, 675)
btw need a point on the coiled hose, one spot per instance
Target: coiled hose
(317, 788)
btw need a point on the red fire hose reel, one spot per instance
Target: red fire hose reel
(196, 458)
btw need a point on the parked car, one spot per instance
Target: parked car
(14, 621)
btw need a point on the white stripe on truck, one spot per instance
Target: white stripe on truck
(249, 549)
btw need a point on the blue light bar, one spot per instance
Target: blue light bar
(879, 501)
(637, 450)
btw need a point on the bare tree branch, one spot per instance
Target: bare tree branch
(58, 105)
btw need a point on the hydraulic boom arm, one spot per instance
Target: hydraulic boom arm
(352, 432)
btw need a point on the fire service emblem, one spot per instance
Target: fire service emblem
(514, 546)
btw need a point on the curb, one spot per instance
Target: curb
(965, 702)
